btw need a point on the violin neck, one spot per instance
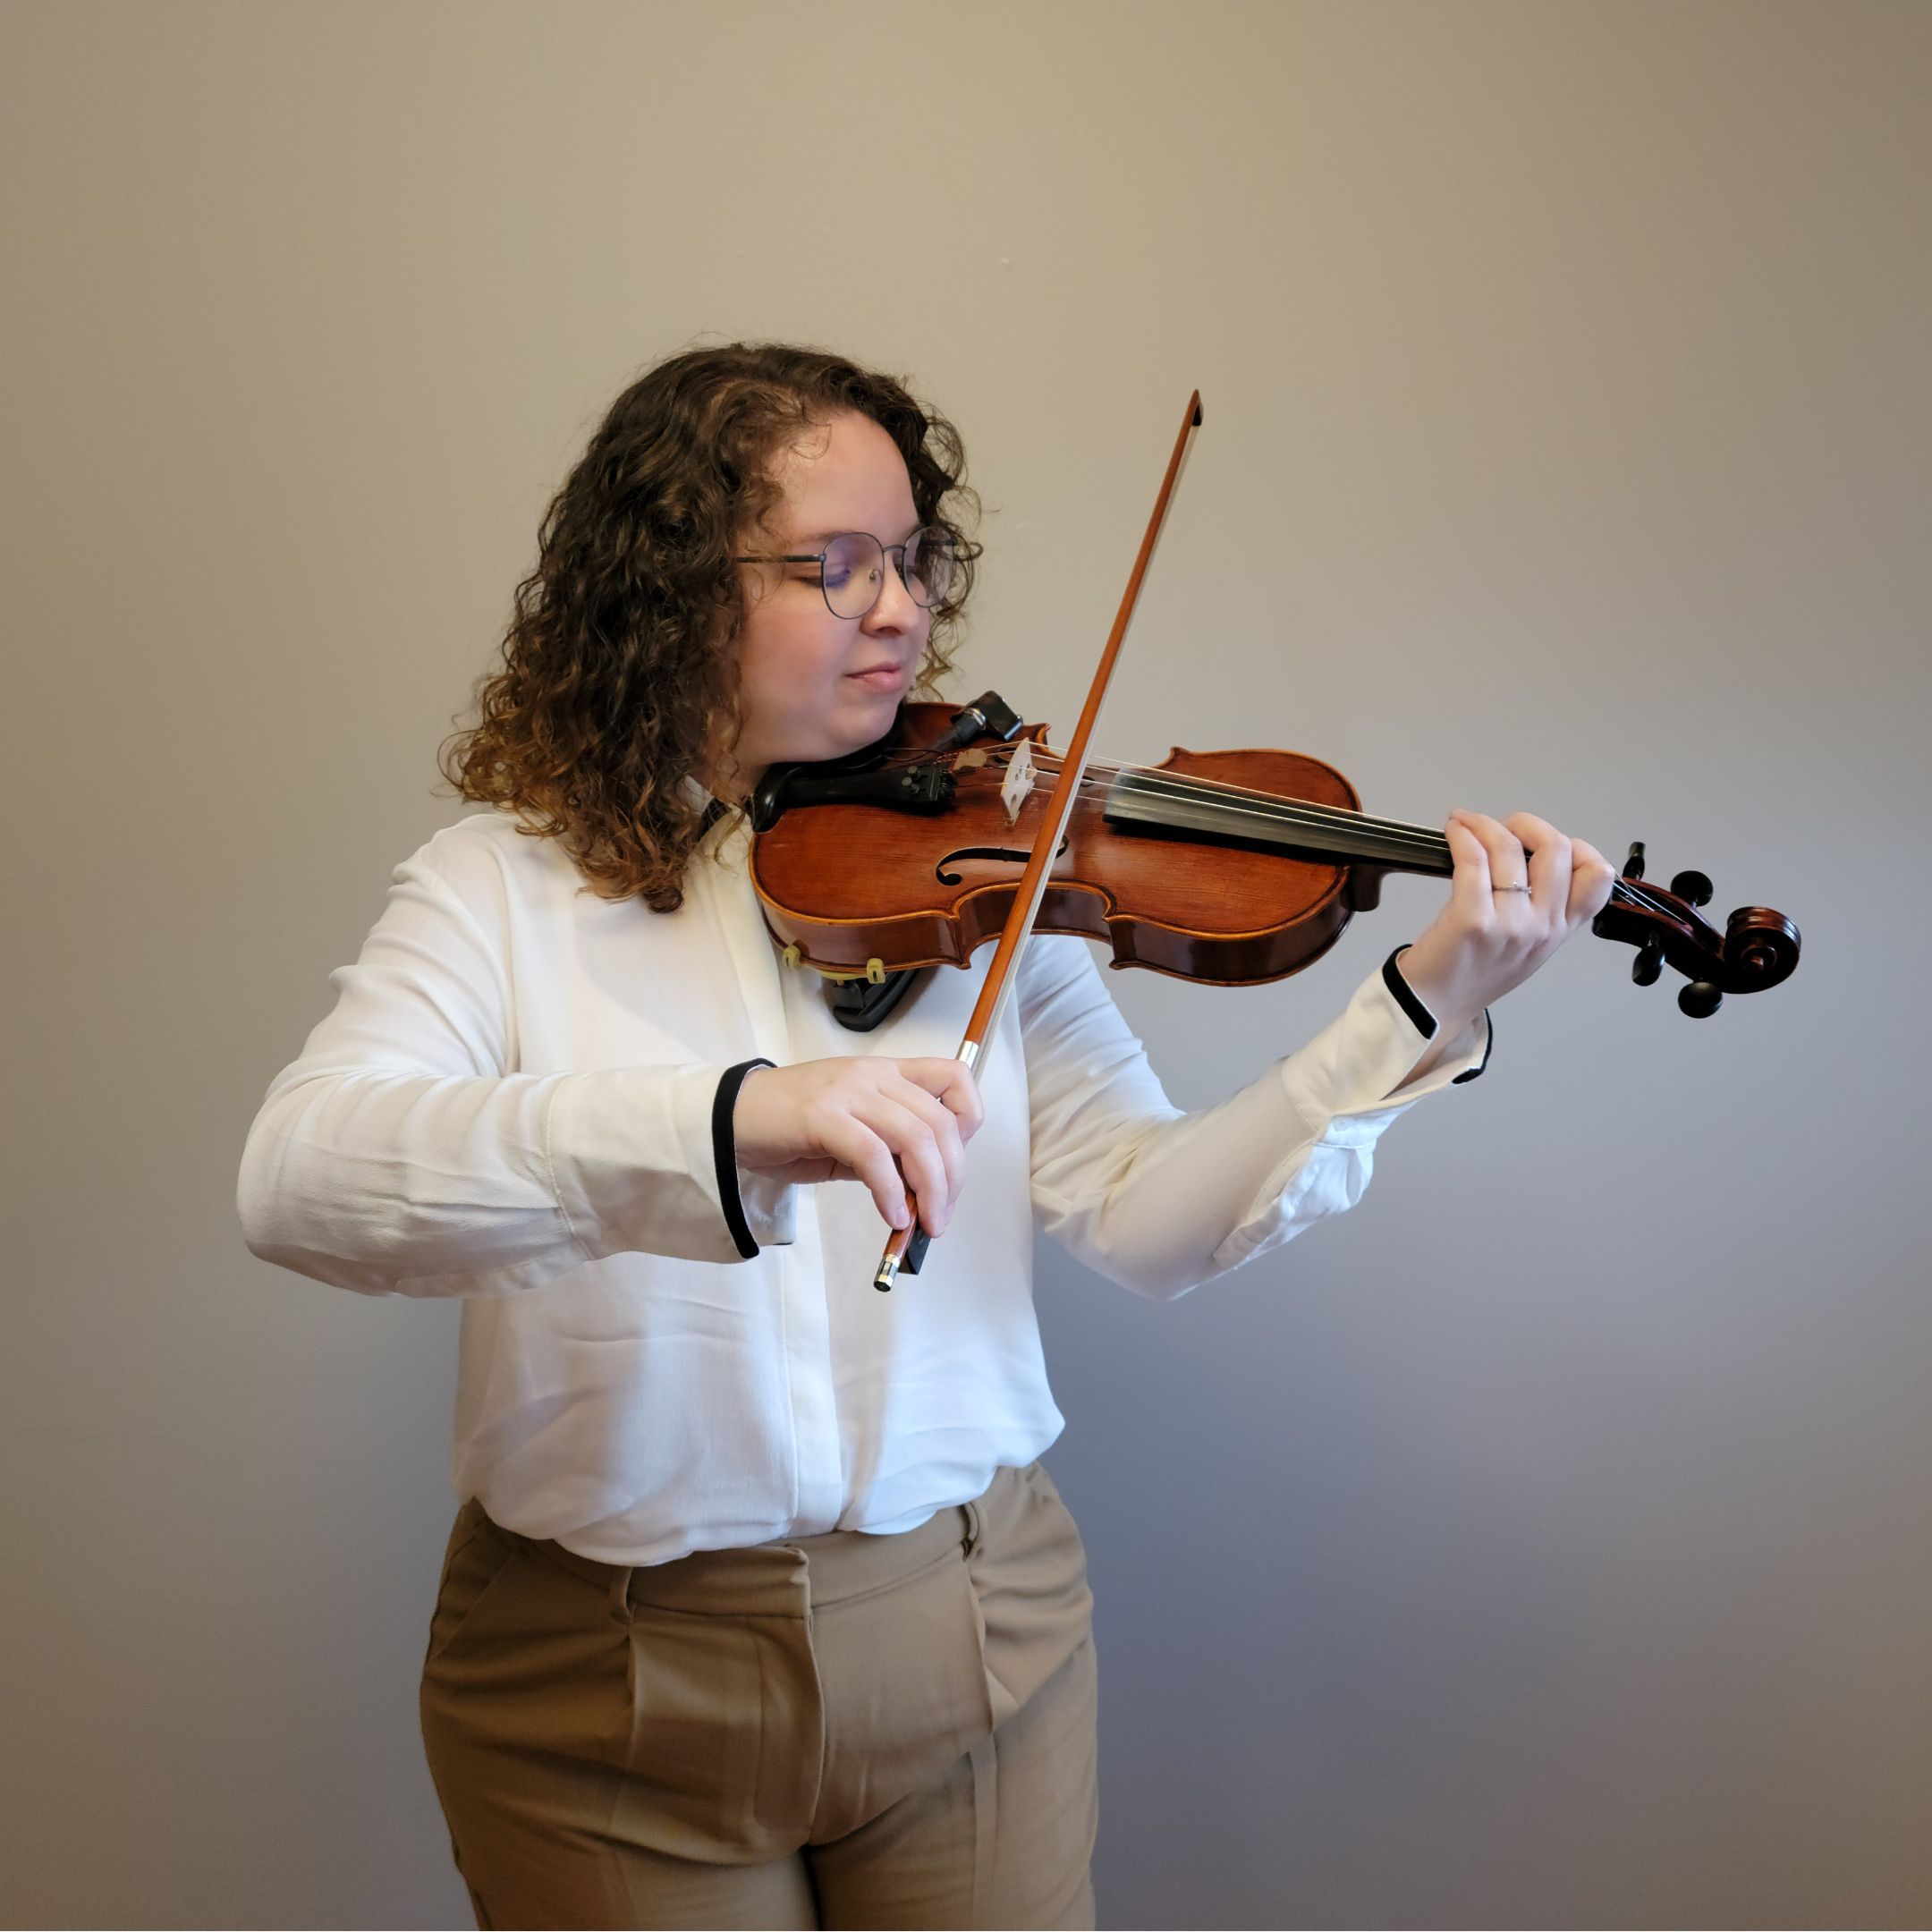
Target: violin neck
(1154, 801)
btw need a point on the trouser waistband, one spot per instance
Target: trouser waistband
(781, 1577)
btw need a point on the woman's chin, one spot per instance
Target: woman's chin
(869, 717)
(859, 719)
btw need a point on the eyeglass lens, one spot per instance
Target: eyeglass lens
(854, 570)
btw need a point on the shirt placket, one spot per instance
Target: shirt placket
(818, 1487)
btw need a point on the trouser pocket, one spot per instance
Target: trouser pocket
(1027, 1572)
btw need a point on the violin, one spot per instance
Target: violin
(1225, 867)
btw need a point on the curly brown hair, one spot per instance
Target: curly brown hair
(620, 664)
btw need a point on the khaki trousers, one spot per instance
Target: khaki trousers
(839, 1730)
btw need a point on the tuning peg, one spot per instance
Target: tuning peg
(1648, 968)
(1694, 886)
(1700, 999)
(1633, 865)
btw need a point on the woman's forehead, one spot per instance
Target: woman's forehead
(844, 473)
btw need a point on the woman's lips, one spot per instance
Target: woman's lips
(880, 677)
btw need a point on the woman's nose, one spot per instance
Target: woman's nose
(895, 611)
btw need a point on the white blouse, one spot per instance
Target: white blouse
(512, 1101)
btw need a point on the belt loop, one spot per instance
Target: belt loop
(975, 1527)
(620, 1594)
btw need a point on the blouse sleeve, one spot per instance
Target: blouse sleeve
(400, 1154)
(1160, 1200)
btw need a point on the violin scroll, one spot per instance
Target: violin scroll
(1757, 949)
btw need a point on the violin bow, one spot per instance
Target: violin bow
(907, 1246)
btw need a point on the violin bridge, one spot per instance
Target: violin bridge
(1019, 780)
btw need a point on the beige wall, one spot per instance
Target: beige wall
(1547, 1543)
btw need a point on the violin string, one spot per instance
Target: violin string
(1279, 812)
(1177, 783)
(1314, 820)
(1622, 889)
(1308, 814)
(1255, 804)
(1267, 806)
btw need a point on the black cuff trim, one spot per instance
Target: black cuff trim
(725, 1152)
(1425, 1021)
(1489, 1041)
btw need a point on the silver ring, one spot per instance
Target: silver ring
(1509, 888)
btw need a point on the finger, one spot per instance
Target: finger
(951, 1083)
(866, 1157)
(1529, 831)
(943, 1128)
(1549, 862)
(1592, 879)
(1470, 891)
(917, 1154)
(1508, 868)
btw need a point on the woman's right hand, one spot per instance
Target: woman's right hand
(867, 1119)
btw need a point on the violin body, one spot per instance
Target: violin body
(851, 883)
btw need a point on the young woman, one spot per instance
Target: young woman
(759, 1609)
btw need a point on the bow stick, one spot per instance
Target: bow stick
(907, 1245)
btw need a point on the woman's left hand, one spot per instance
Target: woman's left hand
(1492, 935)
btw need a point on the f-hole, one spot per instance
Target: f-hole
(991, 854)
